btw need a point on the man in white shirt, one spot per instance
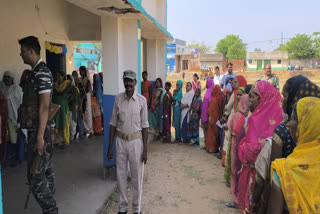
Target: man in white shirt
(217, 77)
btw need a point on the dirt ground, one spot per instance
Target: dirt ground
(181, 179)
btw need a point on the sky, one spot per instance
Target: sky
(259, 23)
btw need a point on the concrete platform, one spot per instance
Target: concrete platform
(79, 176)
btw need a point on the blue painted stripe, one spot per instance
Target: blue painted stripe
(165, 63)
(108, 102)
(144, 12)
(139, 58)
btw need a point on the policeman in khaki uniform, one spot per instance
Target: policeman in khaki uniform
(129, 122)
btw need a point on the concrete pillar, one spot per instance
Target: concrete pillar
(120, 50)
(156, 59)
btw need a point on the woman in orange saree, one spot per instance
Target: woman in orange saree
(214, 110)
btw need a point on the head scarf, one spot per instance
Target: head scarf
(86, 79)
(8, 89)
(154, 92)
(261, 125)
(263, 120)
(239, 117)
(206, 101)
(198, 90)
(13, 94)
(308, 112)
(71, 79)
(242, 84)
(97, 87)
(298, 88)
(178, 96)
(217, 96)
(299, 172)
(293, 84)
(186, 100)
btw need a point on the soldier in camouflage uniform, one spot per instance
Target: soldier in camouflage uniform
(37, 89)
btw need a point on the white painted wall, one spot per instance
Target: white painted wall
(161, 12)
(50, 22)
(152, 59)
(161, 57)
(156, 59)
(157, 9)
(274, 64)
(119, 50)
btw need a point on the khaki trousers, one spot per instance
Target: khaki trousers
(129, 152)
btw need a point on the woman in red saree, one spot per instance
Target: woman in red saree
(146, 88)
(214, 110)
(265, 105)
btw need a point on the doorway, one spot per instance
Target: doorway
(56, 62)
(259, 64)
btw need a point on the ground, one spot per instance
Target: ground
(181, 179)
(79, 181)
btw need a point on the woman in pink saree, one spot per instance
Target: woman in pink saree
(266, 108)
(234, 125)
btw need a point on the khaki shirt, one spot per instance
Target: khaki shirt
(129, 115)
(273, 79)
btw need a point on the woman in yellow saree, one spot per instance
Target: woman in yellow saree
(298, 174)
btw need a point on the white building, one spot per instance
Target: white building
(132, 32)
(257, 61)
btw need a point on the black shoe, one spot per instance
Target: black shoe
(122, 212)
(138, 213)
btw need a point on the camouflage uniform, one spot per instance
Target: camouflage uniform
(40, 168)
(41, 178)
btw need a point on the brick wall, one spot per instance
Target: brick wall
(238, 65)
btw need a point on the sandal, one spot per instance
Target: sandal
(230, 204)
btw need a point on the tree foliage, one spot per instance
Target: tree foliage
(316, 41)
(232, 47)
(302, 46)
(202, 46)
(257, 50)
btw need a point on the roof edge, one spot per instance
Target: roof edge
(138, 6)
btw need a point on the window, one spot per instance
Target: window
(279, 61)
(184, 64)
(250, 61)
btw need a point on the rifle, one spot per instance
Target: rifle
(34, 169)
(38, 161)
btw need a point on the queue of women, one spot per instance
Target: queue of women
(80, 113)
(81, 106)
(272, 165)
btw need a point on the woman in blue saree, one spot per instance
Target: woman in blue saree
(176, 102)
(156, 110)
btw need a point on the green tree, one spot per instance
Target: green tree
(257, 50)
(232, 47)
(202, 46)
(301, 46)
(316, 43)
